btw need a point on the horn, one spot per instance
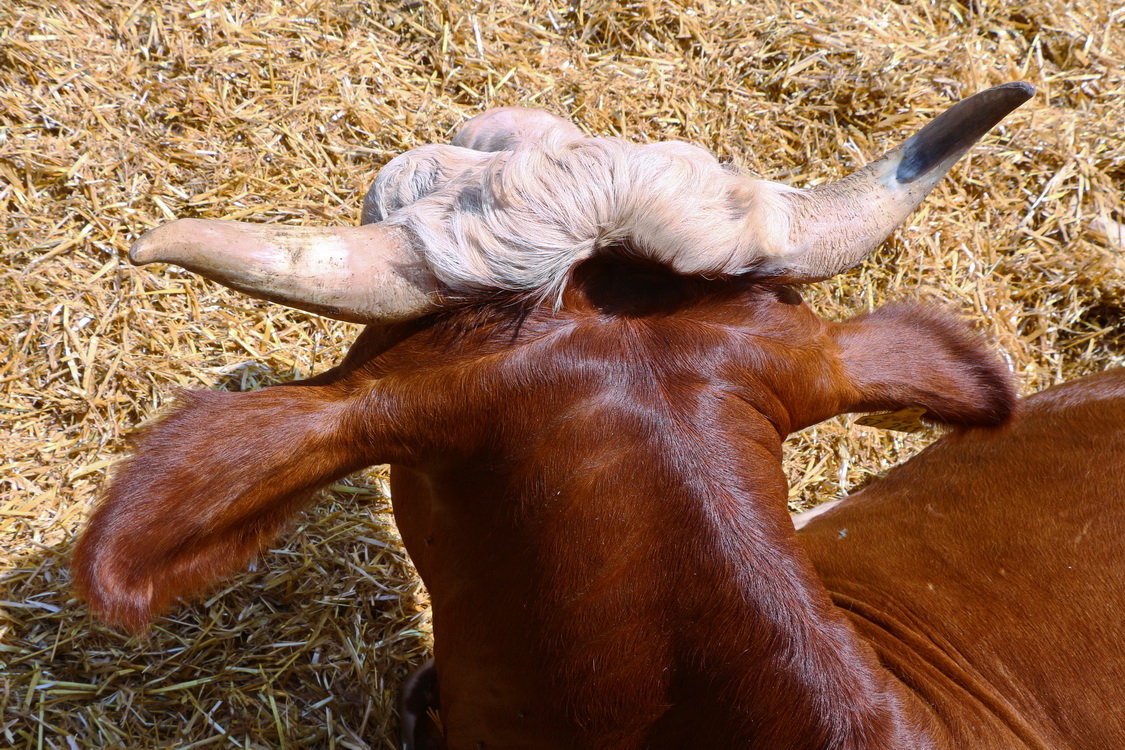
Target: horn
(368, 274)
(504, 128)
(834, 227)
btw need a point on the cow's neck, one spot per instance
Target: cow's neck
(681, 614)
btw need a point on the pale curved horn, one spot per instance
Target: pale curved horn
(504, 128)
(368, 274)
(834, 227)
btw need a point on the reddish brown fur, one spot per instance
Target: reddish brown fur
(987, 572)
(595, 499)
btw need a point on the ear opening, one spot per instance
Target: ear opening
(206, 488)
(913, 355)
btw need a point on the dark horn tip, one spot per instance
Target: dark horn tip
(954, 131)
(1022, 88)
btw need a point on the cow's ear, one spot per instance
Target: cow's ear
(206, 488)
(913, 355)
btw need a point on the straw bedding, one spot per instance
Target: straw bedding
(116, 117)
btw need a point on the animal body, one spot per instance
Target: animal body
(987, 573)
(588, 477)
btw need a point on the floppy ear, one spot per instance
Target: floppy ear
(206, 488)
(215, 480)
(912, 355)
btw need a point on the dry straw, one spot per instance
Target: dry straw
(115, 117)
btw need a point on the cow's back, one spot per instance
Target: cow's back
(989, 571)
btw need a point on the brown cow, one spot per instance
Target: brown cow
(589, 482)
